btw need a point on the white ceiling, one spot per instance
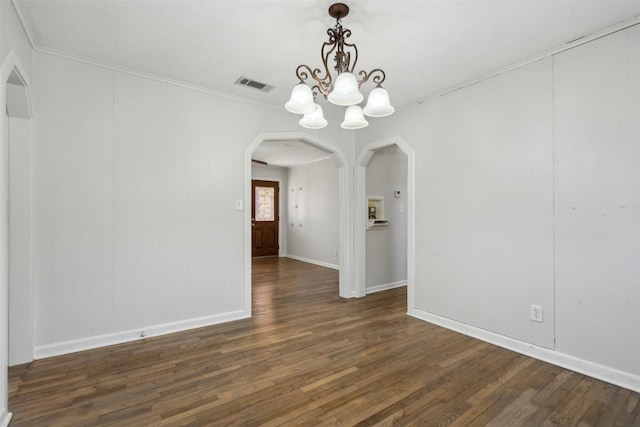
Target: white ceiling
(425, 47)
(288, 153)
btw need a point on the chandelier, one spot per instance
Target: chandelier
(345, 91)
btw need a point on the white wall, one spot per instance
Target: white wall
(495, 232)
(13, 37)
(278, 174)
(135, 227)
(597, 193)
(387, 247)
(20, 238)
(484, 203)
(312, 231)
(15, 52)
(4, 264)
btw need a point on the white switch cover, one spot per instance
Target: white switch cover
(238, 204)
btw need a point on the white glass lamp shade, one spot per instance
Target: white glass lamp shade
(301, 101)
(378, 104)
(345, 91)
(313, 120)
(353, 118)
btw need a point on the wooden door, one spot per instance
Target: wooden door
(264, 218)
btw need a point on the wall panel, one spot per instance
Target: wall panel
(312, 214)
(597, 191)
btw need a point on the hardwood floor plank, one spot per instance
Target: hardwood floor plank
(551, 396)
(627, 415)
(311, 358)
(613, 409)
(514, 408)
(566, 408)
(485, 397)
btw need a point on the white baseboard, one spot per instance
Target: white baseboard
(5, 417)
(385, 286)
(595, 370)
(313, 261)
(66, 347)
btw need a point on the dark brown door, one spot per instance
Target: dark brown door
(264, 218)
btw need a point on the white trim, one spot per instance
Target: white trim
(360, 221)
(25, 24)
(72, 346)
(5, 417)
(385, 287)
(157, 78)
(592, 369)
(578, 42)
(10, 63)
(309, 162)
(344, 208)
(282, 225)
(161, 79)
(599, 34)
(313, 261)
(345, 228)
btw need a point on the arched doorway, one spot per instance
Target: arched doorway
(344, 205)
(15, 223)
(360, 237)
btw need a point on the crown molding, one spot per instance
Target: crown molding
(31, 36)
(155, 77)
(33, 41)
(567, 46)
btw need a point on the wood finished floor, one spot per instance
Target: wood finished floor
(310, 358)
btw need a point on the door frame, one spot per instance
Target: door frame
(345, 207)
(281, 224)
(277, 213)
(17, 100)
(360, 221)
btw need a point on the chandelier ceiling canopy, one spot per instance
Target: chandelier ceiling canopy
(345, 89)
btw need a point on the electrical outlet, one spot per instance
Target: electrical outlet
(536, 313)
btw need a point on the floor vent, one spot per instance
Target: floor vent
(262, 87)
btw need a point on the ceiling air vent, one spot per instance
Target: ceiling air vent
(262, 87)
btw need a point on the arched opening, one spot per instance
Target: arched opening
(19, 201)
(15, 221)
(344, 206)
(361, 220)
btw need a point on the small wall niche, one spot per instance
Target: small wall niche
(375, 213)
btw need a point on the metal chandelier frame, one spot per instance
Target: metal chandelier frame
(342, 58)
(345, 90)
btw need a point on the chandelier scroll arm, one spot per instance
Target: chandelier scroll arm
(323, 84)
(348, 66)
(330, 46)
(337, 80)
(377, 75)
